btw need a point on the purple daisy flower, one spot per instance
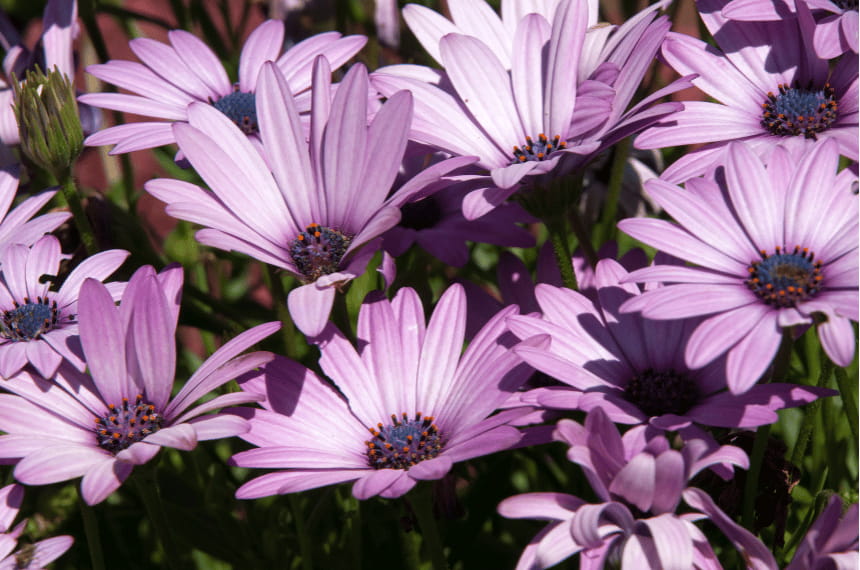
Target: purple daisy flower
(559, 99)
(409, 404)
(835, 32)
(767, 260)
(313, 209)
(635, 476)
(831, 541)
(37, 555)
(19, 226)
(99, 426)
(173, 76)
(633, 368)
(771, 87)
(38, 325)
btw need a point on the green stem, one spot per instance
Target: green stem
(82, 223)
(613, 191)
(301, 531)
(561, 249)
(849, 400)
(809, 414)
(146, 483)
(94, 541)
(422, 505)
(583, 236)
(751, 484)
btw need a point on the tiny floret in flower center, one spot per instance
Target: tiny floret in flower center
(403, 442)
(796, 111)
(537, 150)
(241, 108)
(784, 279)
(317, 251)
(126, 424)
(30, 320)
(657, 393)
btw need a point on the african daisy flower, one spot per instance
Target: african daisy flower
(835, 30)
(560, 100)
(36, 555)
(173, 76)
(633, 368)
(831, 541)
(408, 403)
(99, 426)
(766, 259)
(771, 87)
(641, 481)
(311, 207)
(37, 324)
(19, 225)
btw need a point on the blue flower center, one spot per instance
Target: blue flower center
(403, 442)
(127, 424)
(537, 150)
(317, 251)
(795, 111)
(241, 108)
(657, 393)
(784, 279)
(30, 320)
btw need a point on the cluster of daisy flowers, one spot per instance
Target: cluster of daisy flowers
(599, 276)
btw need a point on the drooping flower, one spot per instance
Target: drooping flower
(59, 30)
(19, 225)
(315, 206)
(173, 76)
(36, 555)
(37, 324)
(768, 260)
(835, 29)
(633, 368)
(641, 481)
(100, 425)
(560, 97)
(771, 87)
(831, 541)
(409, 404)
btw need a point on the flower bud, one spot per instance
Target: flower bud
(48, 122)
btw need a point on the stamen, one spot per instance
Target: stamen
(537, 150)
(127, 424)
(404, 442)
(657, 393)
(241, 108)
(30, 320)
(797, 111)
(784, 279)
(317, 251)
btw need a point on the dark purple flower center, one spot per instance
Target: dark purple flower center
(421, 215)
(785, 279)
(241, 108)
(799, 111)
(30, 320)
(126, 424)
(403, 443)
(537, 150)
(318, 251)
(657, 393)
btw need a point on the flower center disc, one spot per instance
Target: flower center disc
(403, 443)
(658, 393)
(241, 108)
(317, 251)
(785, 279)
(30, 320)
(127, 424)
(537, 150)
(795, 111)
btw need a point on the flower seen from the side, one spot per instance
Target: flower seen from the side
(633, 368)
(310, 207)
(641, 481)
(409, 402)
(831, 541)
(36, 555)
(38, 323)
(776, 247)
(100, 425)
(172, 76)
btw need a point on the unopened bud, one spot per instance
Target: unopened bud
(48, 122)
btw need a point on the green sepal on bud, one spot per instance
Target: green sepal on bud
(48, 122)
